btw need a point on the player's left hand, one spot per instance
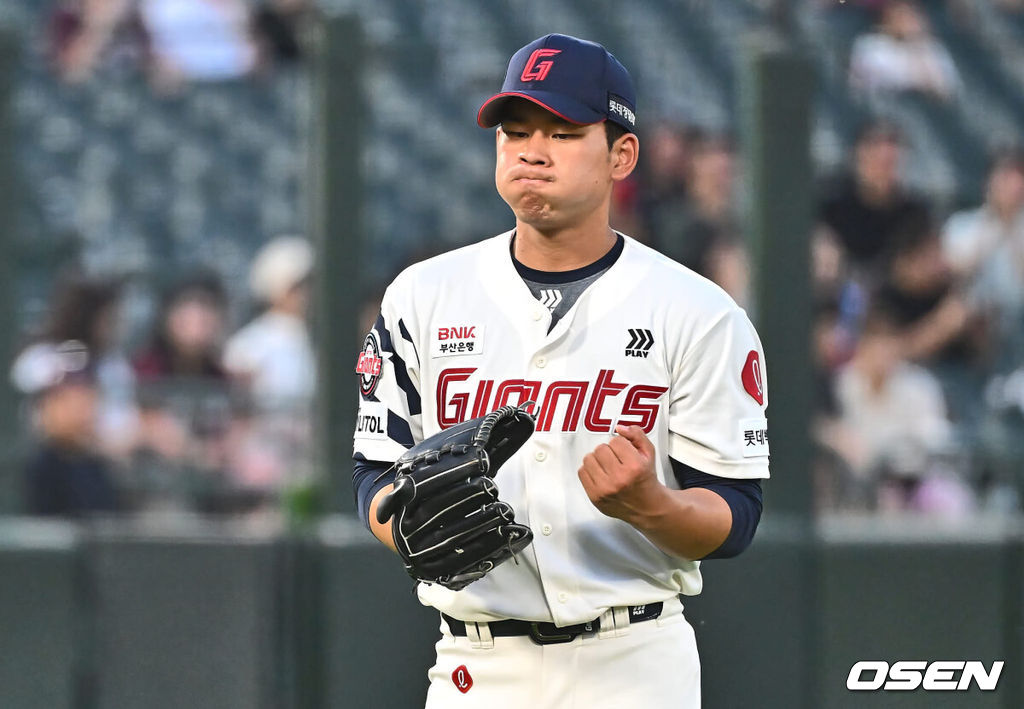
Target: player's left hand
(619, 477)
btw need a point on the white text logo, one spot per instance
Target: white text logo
(908, 675)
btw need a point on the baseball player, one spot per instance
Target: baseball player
(647, 383)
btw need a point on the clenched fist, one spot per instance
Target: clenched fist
(619, 477)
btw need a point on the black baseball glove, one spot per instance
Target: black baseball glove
(449, 525)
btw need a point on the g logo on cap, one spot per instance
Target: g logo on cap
(536, 70)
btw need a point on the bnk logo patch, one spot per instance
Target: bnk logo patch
(457, 339)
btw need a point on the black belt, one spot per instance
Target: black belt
(549, 633)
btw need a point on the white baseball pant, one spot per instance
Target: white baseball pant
(652, 664)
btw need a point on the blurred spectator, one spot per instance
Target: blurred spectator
(189, 333)
(863, 207)
(278, 26)
(199, 40)
(652, 201)
(66, 476)
(986, 246)
(704, 233)
(712, 237)
(184, 397)
(902, 55)
(273, 359)
(920, 294)
(273, 355)
(832, 349)
(86, 310)
(971, 237)
(727, 263)
(86, 35)
(828, 266)
(711, 178)
(891, 430)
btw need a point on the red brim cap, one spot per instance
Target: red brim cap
(491, 112)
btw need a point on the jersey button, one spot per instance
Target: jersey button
(563, 597)
(546, 530)
(541, 362)
(537, 315)
(541, 456)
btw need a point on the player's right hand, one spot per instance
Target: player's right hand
(619, 476)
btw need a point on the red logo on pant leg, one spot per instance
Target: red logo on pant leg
(536, 70)
(752, 377)
(460, 676)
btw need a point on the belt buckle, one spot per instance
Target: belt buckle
(554, 639)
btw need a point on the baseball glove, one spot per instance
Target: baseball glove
(448, 524)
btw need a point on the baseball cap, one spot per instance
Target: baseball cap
(577, 80)
(280, 265)
(45, 366)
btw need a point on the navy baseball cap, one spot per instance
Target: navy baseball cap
(577, 80)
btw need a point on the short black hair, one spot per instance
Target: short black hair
(78, 303)
(878, 130)
(613, 131)
(879, 320)
(704, 140)
(1007, 157)
(913, 231)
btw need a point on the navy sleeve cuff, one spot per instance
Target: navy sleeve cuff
(368, 478)
(745, 500)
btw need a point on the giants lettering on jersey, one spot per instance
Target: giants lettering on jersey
(563, 404)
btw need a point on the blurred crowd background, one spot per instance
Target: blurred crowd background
(163, 276)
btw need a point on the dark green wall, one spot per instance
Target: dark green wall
(219, 618)
(41, 616)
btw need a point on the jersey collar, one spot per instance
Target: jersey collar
(577, 274)
(507, 288)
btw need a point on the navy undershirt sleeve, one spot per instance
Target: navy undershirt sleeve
(368, 478)
(744, 497)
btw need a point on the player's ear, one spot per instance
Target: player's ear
(625, 154)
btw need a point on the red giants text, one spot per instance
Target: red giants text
(368, 364)
(563, 404)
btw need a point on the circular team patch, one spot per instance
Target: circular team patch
(369, 365)
(752, 377)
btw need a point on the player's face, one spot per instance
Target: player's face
(555, 174)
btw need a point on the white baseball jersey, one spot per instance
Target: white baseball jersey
(650, 343)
